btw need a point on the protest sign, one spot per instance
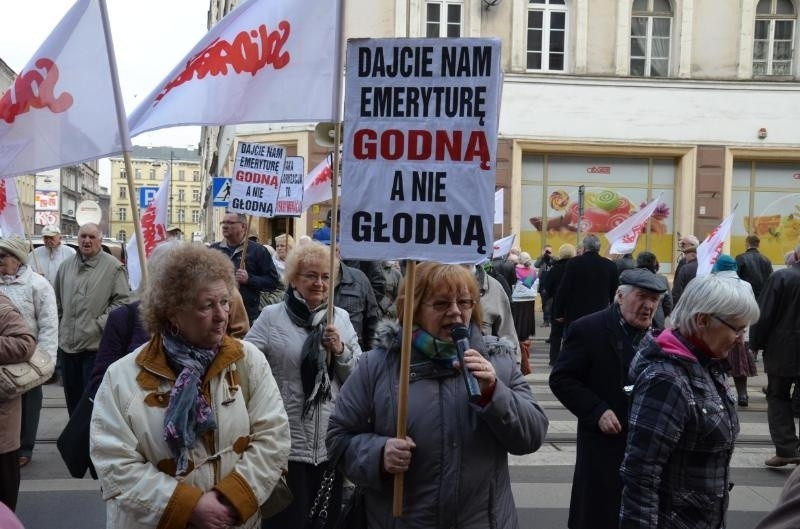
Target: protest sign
(256, 178)
(290, 194)
(419, 149)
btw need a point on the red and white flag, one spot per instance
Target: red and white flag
(61, 108)
(711, 247)
(624, 236)
(154, 230)
(265, 61)
(10, 218)
(317, 187)
(503, 246)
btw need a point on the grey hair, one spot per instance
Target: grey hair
(591, 243)
(725, 297)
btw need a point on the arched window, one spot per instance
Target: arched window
(546, 48)
(773, 37)
(651, 32)
(443, 18)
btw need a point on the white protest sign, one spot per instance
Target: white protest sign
(419, 149)
(290, 194)
(256, 178)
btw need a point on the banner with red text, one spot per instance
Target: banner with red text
(711, 247)
(290, 194)
(154, 230)
(61, 109)
(256, 178)
(418, 175)
(265, 61)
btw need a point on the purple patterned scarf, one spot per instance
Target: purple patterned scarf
(189, 415)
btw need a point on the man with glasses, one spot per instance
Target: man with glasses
(777, 334)
(258, 273)
(588, 378)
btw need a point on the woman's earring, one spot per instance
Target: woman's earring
(173, 329)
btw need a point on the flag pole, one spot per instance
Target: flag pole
(125, 137)
(405, 368)
(336, 112)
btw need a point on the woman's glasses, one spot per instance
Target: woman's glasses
(739, 332)
(442, 305)
(313, 278)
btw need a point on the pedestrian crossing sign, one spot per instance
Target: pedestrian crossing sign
(221, 189)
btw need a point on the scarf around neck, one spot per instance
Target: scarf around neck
(431, 346)
(314, 358)
(189, 414)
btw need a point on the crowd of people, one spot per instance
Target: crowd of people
(223, 380)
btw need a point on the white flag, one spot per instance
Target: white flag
(317, 185)
(498, 206)
(266, 61)
(10, 219)
(711, 247)
(154, 231)
(61, 108)
(624, 236)
(503, 246)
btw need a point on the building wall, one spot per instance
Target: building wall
(150, 166)
(728, 138)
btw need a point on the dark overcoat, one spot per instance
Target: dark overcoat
(588, 379)
(778, 329)
(589, 284)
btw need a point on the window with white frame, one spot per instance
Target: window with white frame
(195, 216)
(773, 37)
(122, 214)
(546, 47)
(651, 32)
(443, 18)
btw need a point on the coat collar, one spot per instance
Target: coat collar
(155, 368)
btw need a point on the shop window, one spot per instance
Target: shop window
(614, 189)
(768, 205)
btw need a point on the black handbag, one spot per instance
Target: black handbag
(352, 514)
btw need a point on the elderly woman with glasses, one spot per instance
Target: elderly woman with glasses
(683, 420)
(455, 456)
(311, 358)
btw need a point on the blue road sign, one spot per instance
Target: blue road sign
(146, 195)
(221, 189)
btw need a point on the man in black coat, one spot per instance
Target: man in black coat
(589, 284)
(588, 379)
(777, 334)
(752, 266)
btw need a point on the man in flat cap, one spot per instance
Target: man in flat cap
(174, 233)
(588, 378)
(46, 259)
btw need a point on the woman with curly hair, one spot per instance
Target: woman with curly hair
(189, 430)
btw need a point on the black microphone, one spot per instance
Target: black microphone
(460, 336)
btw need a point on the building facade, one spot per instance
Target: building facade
(692, 102)
(150, 166)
